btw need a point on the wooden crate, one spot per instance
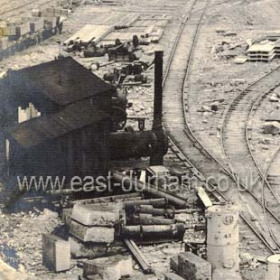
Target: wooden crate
(23, 29)
(56, 253)
(35, 23)
(19, 27)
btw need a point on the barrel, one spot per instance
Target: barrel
(223, 237)
(273, 267)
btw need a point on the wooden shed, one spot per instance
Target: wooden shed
(72, 142)
(54, 120)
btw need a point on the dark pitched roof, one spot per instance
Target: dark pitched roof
(38, 130)
(63, 81)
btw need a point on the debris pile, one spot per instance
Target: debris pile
(21, 227)
(127, 74)
(271, 128)
(230, 46)
(103, 230)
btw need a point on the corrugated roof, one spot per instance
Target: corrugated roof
(38, 130)
(63, 81)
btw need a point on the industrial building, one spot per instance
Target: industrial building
(56, 121)
(73, 141)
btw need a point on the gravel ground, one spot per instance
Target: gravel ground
(213, 78)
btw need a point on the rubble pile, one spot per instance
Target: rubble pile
(99, 236)
(271, 128)
(102, 230)
(230, 46)
(18, 229)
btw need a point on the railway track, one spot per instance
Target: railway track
(238, 152)
(206, 168)
(269, 174)
(272, 173)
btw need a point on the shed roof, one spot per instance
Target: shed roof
(38, 130)
(63, 81)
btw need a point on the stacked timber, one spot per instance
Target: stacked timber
(19, 33)
(261, 52)
(127, 21)
(156, 35)
(89, 34)
(277, 48)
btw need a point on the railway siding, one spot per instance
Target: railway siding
(176, 124)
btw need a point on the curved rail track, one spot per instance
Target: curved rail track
(269, 192)
(204, 166)
(272, 172)
(235, 128)
(274, 161)
(237, 149)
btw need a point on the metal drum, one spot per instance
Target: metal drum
(273, 267)
(223, 237)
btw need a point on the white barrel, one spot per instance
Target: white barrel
(273, 267)
(223, 237)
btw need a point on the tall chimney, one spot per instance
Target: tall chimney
(160, 143)
(157, 123)
(153, 143)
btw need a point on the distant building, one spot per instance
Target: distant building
(55, 120)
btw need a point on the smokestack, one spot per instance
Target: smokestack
(157, 123)
(160, 145)
(153, 143)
